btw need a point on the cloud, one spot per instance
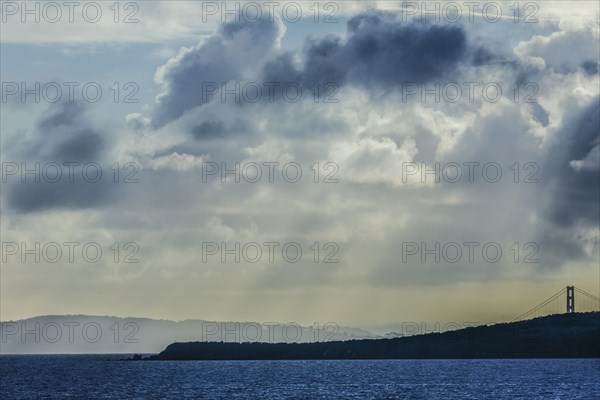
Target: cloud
(563, 51)
(572, 169)
(62, 135)
(44, 196)
(372, 160)
(232, 53)
(208, 129)
(378, 50)
(368, 134)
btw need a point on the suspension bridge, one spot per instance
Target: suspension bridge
(567, 301)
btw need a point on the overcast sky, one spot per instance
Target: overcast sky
(352, 86)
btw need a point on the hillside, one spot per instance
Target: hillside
(557, 336)
(87, 334)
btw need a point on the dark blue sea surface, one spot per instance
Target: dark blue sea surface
(104, 377)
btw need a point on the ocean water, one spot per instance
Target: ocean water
(104, 377)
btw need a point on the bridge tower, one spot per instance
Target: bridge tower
(570, 299)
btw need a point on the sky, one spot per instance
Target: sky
(357, 162)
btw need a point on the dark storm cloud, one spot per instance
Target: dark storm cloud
(575, 193)
(590, 67)
(213, 128)
(224, 57)
(84, 146)
(379, 50)
(558, 247)
(540, 114)
(41, 196)
(483, 56)
(63, 135)
(208, 130)
(571, 194)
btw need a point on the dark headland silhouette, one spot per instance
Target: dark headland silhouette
(575, 335)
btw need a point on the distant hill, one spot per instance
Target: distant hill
(76, 334)
(557, 336)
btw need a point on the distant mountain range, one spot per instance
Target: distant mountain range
(67, 334)
(558, 336)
